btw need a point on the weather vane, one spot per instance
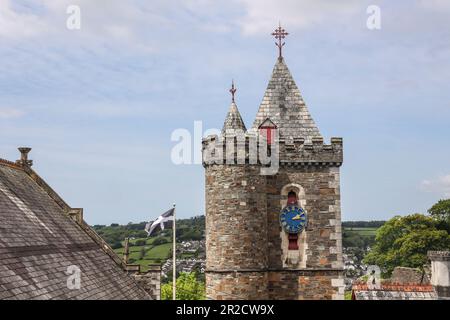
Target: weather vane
(279, 34)
(232, 91)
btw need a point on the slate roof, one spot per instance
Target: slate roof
(233, 121)
(284, 106)
(394, 292)
(39, 241)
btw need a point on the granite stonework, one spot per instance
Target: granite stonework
(404, 275)
(150, 281)
(247, 254)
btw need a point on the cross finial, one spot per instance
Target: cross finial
(232, 91)
(279, 34)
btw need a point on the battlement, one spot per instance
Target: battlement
(250, 147)
(439, 255)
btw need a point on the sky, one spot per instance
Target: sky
(99, 104)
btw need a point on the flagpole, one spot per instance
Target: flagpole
(174, 267)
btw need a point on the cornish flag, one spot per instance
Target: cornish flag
(164, 221)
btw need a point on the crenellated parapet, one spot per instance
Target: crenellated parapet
(298, 152)
(250, 148)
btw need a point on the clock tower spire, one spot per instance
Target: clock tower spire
(273, 235)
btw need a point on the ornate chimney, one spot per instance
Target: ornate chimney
(440, 273)
(126, 251)
(24, 162)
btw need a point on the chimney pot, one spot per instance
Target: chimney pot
(24, 157)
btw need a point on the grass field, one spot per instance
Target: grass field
(153, 254)
(362, 231)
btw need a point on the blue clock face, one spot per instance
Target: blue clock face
(293, 219)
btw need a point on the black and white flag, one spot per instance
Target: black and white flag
(164, 221)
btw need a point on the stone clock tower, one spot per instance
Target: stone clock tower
(273, 234)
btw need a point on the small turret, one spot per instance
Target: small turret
(233, 122)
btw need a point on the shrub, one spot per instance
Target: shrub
(140, 242)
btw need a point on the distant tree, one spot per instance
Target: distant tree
(116, 245)
(140, 234)
(188, 288)
(114, 224)
(142, 253)
(350, 239)
(191, 235)
(363, 224)
(441, 212)
(159, 240)
(140, 242)
(441, 209)
(404, 241)
(167, 278)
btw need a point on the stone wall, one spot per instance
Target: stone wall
(321, 200)
(236, 223)
(150, 281)
(305, 285)
(319, 272)
(405, 275)
(231, 285)
(276, 285)
(236, 227)
(246, 248)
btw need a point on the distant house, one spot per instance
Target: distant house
(47, 250)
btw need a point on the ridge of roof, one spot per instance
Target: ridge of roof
(10, 164)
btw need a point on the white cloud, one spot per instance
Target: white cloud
(134, 20)
(440, 185)
(436, 5)
(15, 24)
(261, 15)
(136, 24)
(9, 113)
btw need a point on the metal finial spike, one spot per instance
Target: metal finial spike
(280, 34)
(232, 90)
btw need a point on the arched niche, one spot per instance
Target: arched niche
(293, 259)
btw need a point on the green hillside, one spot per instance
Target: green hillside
(187, 229)
(158, 248)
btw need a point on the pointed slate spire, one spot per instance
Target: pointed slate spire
(233, 121)
(284, 106)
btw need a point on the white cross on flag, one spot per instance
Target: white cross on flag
(164, 221)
